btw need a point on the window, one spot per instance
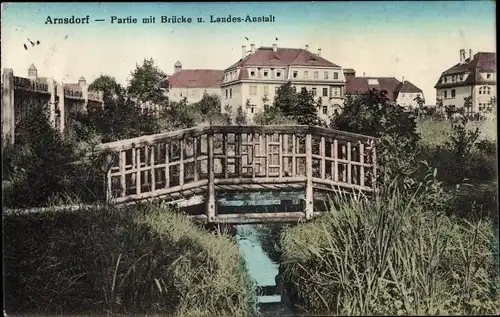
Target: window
(265, 73)
(252, 72)
(252, 109)
(335, 91)
(453, 93)
(335, 75)
(461, 77)
(325, 92)
(314, 92)
(295, 73)
(226, 77)
(278, 73)
(304, 89)
(226, 93)
(253, 90)
(444, 80)
(230, 93)
(306, 74)
(326, 75)
(325, 109)
(488, 76)
(276, 89)
(445, 94)
(266, 90)
(316, 75)
(484, 90)
(402, 95)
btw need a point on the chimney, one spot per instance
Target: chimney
(252, 48)
(364, 74)
(243, 51)
(470, 54)
(275, 47)
(403, 79)
(462, 56)
(307, 47)
(319, 51)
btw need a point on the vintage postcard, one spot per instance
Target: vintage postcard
(250, 158)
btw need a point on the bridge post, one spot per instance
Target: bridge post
(8, 113)
(211, 178)
(309, 174)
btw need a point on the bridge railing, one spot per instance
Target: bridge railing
(158, 165)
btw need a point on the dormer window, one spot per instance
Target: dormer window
(306, 74)
(295, 73)
(444, 80)
(488, 76)
(278, 73)
(252, 72)
(266, 73)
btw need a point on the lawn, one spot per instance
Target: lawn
(437, 132)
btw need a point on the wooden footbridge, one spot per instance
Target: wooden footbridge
(241, 174)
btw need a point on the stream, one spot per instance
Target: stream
(262, 269)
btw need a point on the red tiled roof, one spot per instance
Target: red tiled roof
(265, 56)
(408, 87)
(203, 78)
(481, 62)
(357, 85)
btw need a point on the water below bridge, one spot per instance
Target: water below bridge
(262, 269)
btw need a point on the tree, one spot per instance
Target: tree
(420, 102)
(371, 114)
(112, 91)
(241, 118)
(179, 115)
(468, 104)
(148, 84)
(209, 107)
(297, 106)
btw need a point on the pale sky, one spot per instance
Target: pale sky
(416, 40)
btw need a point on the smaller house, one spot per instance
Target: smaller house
(403, 93)
(193, 83)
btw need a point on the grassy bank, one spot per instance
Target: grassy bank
(391, 256)
(142, 260)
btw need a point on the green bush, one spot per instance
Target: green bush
(394, 255)
(42, 166)
(145, 259)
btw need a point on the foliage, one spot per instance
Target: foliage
(300, 107)
(394, 255)
(372, 115)
(143, 260)
(43, 165)
(148, 84)
(113, 93)
(241, 118)
(462, 141)
(208, 107)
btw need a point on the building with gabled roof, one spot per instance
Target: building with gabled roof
(259, 73)
(402, 92)
(193, 83)
(473, 77)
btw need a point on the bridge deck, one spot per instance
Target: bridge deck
(196, 165)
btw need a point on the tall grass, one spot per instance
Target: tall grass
(390, 256)
(144, 260)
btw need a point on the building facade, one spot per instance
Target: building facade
(474, 79)
(193, 83)
(403, 93)
(252, 82)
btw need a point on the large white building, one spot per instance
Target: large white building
(473, 77)
(257, 76)
(193, 83)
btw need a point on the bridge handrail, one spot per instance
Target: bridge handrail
(200, 130)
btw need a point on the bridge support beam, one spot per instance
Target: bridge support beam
(309, 173)
(211, 205)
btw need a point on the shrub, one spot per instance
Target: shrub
(43, 165)
(395, 255)
(145, 259)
